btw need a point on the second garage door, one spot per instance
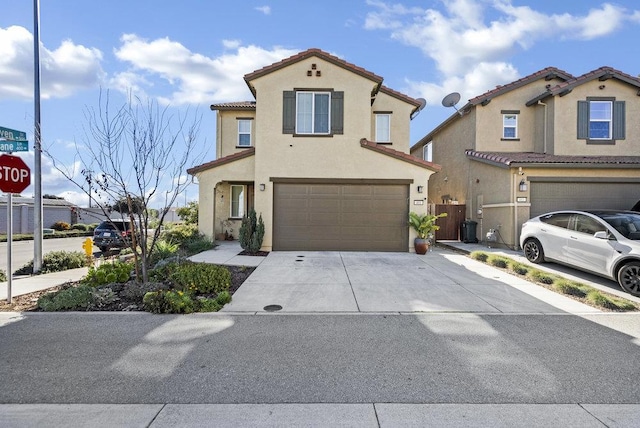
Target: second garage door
(340, 217)
(552, 196)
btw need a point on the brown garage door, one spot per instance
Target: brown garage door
(340, 217)
(552, 196)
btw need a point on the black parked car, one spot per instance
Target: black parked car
(112, 234)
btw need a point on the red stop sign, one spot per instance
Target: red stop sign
(15, 175)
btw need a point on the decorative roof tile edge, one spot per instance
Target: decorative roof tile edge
(222, 161)
(399, 155)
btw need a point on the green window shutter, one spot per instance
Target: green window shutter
(618, 120)
(583, 120)
(337, 112)
(288, 112)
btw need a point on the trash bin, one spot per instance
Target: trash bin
(468, 231)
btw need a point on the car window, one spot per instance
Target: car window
(627, 224)
(588, 225)
(558, 219)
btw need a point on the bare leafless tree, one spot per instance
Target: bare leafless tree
(126, 156)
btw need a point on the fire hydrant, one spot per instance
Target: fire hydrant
(87, 245)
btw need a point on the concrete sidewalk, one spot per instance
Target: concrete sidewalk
(320, 415)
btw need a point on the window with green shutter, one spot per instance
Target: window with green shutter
(313, 112)
(601, 120)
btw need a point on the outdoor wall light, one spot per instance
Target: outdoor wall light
(262, 187)
(420, 189)
(523, 185)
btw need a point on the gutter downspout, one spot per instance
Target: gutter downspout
(544, 136)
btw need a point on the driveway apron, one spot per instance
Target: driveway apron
(367, 282)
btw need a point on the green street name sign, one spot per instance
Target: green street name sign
(13, 141)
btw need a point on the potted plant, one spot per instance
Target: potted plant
(425, 226)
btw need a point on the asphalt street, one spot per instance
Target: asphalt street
(140, 358)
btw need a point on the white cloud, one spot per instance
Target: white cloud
(264, 9)
(469, 49)
(64, 70)
(198, 78)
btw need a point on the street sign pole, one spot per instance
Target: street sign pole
(9, 244)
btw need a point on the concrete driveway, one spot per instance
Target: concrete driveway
(364, 282)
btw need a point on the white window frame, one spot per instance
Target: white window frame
(609, 120)
(241, 132)
(311, 115)
(240, 203)
(506, 116)
(383, 120)
(427, 152)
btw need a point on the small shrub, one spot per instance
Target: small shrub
(569, 287)
(541, 277)
(72, 298)
(102, 297)
(163, 250)
(56, 261)
(497, 261)
(223, 298)
(60, 226)
(80, 226)
(518, 268)
(198, 245)
(180, 233)
(251, 232)
(3, 275)
(208, 305)
(480, 256)
(597, 298)
(108, 273)
(169, 302)
(201, 277)
(136, 290)
(91, 227)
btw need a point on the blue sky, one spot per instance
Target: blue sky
(192, 53)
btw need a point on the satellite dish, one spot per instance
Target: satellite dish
(416, 112)
(451, 100)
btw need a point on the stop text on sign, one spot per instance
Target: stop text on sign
(16, 175)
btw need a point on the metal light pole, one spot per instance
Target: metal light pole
(37, 215)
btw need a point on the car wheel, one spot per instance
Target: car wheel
(629, 278)
(533, 251)
(104, 249)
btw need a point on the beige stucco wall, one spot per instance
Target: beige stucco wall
(400, 124)
(490, 123)
(212, 196)
(227, 131)
(566, 119)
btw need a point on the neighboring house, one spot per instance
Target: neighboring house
(546, 142)
(53, 210)
(322, 155)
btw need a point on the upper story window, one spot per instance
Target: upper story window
(510, 124)
(244, 132)
(601, 120)
(383, 127)
(427, 152)
(313, 112)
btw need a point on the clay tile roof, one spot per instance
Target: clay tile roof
(540, 159)
(546, 73)
(224, 160)
(399, 155)
(238, 105)
(400, 96)
(309, 53)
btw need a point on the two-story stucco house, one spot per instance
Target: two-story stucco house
(322, 154)
(548, 141)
